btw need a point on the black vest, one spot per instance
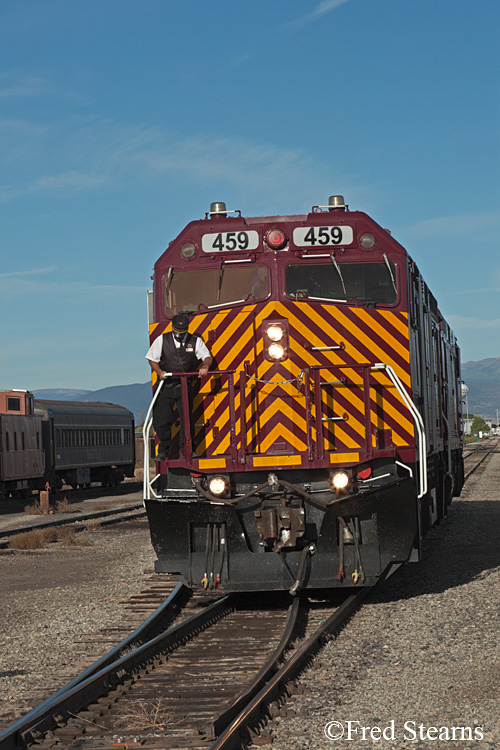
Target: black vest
(182, 359)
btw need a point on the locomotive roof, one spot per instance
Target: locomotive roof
(96, 408)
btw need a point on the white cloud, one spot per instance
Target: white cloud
(458, 224)
(18, 84)
(23, 86)
(73, 180)
(30, 272)
(324, 7)
(99, 153)
(463, 322)
(14, 284)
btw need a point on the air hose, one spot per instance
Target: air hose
(309, 550)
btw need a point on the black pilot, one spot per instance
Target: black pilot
(178, 351)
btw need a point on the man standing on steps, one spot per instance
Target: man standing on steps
(178, 351)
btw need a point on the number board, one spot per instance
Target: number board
(228, 241)
(322, 236)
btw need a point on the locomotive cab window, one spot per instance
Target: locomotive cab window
(185, 291)
(367, 283)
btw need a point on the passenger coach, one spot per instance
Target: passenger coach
(328, 432)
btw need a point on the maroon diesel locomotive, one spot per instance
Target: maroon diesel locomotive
(327, 437)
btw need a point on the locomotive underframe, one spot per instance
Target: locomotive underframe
(195, 538)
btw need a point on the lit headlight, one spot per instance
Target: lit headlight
(276, 351)
(217, 485)
(275, 333)
(340, 480)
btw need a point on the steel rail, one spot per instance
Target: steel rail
(479, 462)
(8, 534)
(170, 607)
(258, 682)
(230, 738)
(79, 517)
(57, 709)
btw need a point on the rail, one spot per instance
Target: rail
(231, 737)
(109, 672)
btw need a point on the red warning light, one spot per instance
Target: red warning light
(276, 239)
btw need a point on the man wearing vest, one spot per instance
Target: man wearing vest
(178, 351)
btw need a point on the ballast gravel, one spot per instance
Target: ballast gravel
(419, 665)
(54, 597)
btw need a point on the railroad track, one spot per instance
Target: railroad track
(208, 676)
(470, 457)
(79, 521)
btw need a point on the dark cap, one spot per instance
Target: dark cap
(180, 323)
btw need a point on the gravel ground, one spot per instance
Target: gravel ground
(54, 596)
(424, 650)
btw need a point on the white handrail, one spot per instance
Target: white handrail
(147, 488)
(419, 424)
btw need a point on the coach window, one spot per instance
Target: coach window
(13, 404)
(367, 283)
(185, 291)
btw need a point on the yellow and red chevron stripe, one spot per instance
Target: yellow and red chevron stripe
(280, 418)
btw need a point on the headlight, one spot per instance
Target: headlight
(217, 485)
(276, 351)
(188, 250)
(367, 241)
(340, 480)
(275, 333)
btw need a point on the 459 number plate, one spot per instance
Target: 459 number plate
(229, 241)
(322, 236)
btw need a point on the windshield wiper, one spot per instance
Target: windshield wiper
(221, 276)
(337, 268)
(392, 275)
(170, 276)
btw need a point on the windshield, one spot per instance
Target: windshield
(184, 291)
(369, 283)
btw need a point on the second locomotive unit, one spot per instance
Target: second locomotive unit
(326, 438)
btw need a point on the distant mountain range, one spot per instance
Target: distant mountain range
(482, 379)
(136, 397)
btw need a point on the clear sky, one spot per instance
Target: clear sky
(120, 121)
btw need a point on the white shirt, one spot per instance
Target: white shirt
(156, 348)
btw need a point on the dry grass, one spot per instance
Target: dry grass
(100, 506)
(34, 509)
(40, 538)
(93, 525)
(149, 716)
(34, 539)
(63, 506)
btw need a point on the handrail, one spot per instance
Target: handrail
(240, 454)
(148, 421)
(147, 489)
(419, 424)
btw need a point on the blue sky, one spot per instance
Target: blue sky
(120, 121)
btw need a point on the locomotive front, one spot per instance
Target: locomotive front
(302, 467)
